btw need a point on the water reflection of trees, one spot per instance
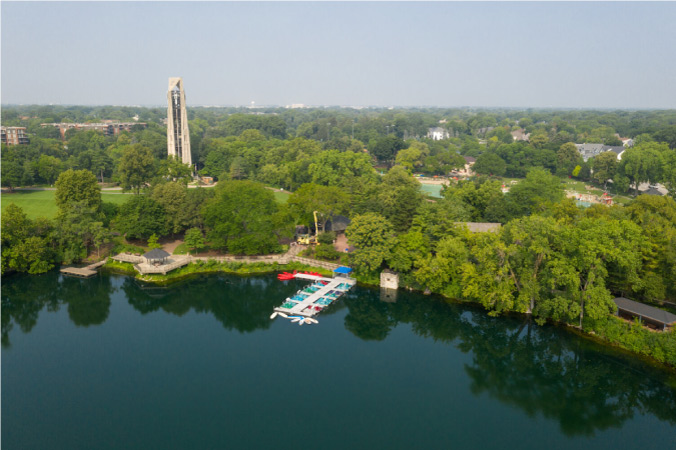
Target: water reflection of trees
(23, 297)
(542, 370)
(547, 371)
(243, 306)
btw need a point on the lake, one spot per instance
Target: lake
(111, 363)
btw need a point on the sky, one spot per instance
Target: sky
(528, 54)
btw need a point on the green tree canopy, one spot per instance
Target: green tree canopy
(140, 217)
(374, 240)
(136, 167)
(244, 218)
(77, 186)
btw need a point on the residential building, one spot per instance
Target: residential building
(591, 150)
(107, 127)
(178, 135)
(14, 136)
(467, 170)
(438, 133)
(520, 135)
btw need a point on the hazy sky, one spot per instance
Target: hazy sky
(611, 55)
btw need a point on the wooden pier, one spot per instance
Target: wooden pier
(306, 307)
(82, 272)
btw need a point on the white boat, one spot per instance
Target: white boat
(274, 314)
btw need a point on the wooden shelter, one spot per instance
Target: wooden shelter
(156, 256)
(651, 316)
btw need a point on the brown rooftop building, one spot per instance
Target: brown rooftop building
(14, 136)
(107, 127)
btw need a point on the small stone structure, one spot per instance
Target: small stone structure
(389, 280)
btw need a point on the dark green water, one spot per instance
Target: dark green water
(108, 363)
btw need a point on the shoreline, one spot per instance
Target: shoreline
(252, 269)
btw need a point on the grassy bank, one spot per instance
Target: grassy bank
(211, 266)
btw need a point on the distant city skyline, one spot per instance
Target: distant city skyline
(514, 55)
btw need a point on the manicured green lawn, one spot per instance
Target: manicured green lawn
(282, 197)
(41, 203)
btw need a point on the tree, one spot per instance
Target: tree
(152, 242)
(78, 227)
(590, 252)
(643, 163)
(531, 242)
(398, 198)
(25, 244)
(386, 147)
(136, 167)
(327, 237)
(328, 201)
(140, 217)
(373, 238)
(487, 276)
(194, 239)
(567, 158)
(74, 186)
(244, 218)
(173, 169)
(605, 166)
(413, 156)
(172, 196)
(538, 188)
(669, 171)
(489, 163)
(49, 168)
(12, 173)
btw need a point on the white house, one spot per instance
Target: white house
(438, 133)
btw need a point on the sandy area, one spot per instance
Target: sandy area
(170, 246)
(424, 180)
(341, 243)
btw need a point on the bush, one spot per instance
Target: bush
(327, 238)
(327, 252)
(635, 337)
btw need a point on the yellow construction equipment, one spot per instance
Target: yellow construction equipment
(307, 239)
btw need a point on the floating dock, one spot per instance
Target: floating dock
(82, 272)
(311, 300)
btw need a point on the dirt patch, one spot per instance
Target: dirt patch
(341, 243)
(170, 245)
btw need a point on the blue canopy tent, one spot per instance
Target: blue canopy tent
(342, 271)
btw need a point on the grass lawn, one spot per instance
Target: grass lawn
(281, 197)
(41, 203)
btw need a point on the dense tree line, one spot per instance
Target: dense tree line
(550, 259)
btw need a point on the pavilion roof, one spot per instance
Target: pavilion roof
(156, 253)
(645, 311)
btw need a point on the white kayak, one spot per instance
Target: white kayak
(274, 314)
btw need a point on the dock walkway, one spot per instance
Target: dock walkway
(82, 272)
(305, 307)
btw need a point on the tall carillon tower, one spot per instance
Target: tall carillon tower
(178, 136)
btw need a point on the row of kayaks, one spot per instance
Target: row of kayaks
(290, 276)
(300, 320)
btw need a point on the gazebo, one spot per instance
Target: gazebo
(156, 256)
